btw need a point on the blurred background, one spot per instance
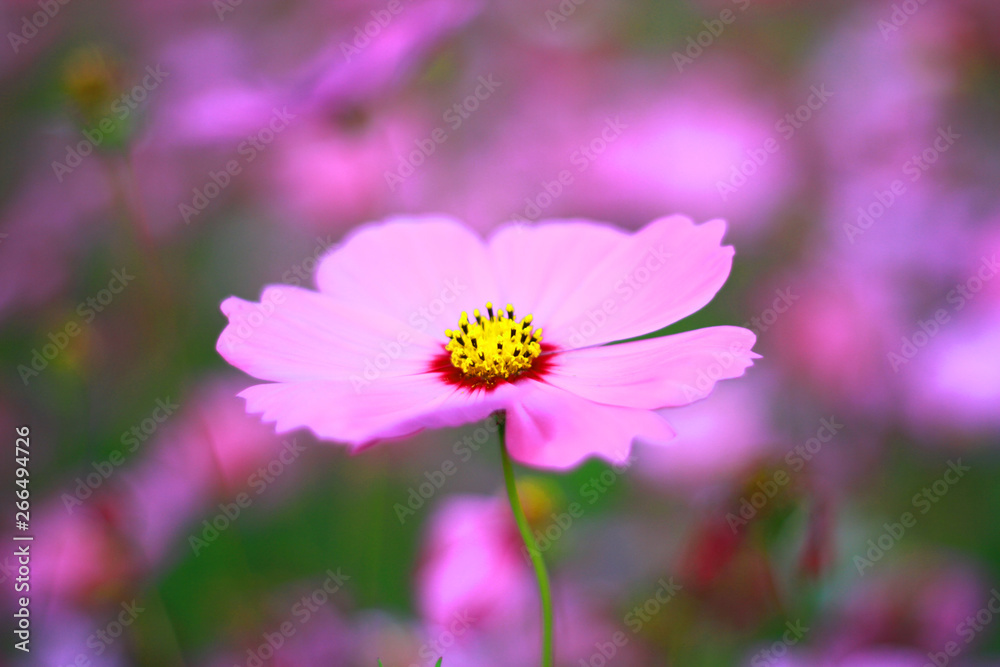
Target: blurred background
(837, 506)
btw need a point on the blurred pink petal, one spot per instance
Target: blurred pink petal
(717, 439)
(206, 450)
(473, 564)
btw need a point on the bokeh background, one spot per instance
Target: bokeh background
(837, 506)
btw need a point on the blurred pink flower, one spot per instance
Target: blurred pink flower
(208, 455)
(948, 358)
(394, 641)
(385, 348)
(582, 632)
(330, 172)
(45, 227)
(212, 92)
(878, 657)
(901, 618)
(904, 97)
(326, 166)
(69, 637)
(717, 440)
(473, 565)
(901, 226)
(952, 387)
(205, 127)
(574, 133)
(378, 46)
(922, 604)
(710, 145)
(85, 558)
(327, 638)
(28, 35)
(833, 339)
(99, 541)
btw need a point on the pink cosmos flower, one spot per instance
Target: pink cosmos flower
(419, 323)
(921, 603)
(86, 558)
(852, 318)
(209, 453)
(473, 565)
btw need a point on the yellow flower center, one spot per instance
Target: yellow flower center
(497, 347)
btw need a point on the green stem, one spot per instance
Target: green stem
(541, 574)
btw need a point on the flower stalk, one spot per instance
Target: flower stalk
(541, 573)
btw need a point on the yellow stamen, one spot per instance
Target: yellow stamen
(493, 348)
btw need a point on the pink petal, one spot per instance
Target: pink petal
(551, 428)
(389, 407)
(294, 334)
(540, 266)
(596, 285)
(668, 371)
(422, 270)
